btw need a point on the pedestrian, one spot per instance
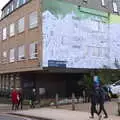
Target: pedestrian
(101, 100)
(14, 97)
(93, 102)
(20, 102)
(33, 98)
(84, 95)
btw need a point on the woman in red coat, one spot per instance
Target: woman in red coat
(14, 97)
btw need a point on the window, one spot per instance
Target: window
(4, 54)
(17, 3)
(12, 55)
(11, 7)
(33, 20)
(115, 9)
(33, 50)
(4, 57)
(8, 9)
(21, 25)
(21, 52)
(12, 29)
(4, 12)
(4, 33)
(21, 2)
(103, 2)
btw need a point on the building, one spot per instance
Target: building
(23, 41)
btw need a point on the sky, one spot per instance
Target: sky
(2, 3)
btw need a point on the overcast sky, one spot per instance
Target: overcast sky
(2, 3)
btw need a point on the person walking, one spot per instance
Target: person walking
(33, 98)
(14, 97)
(93, 103)
(101, 100)
(20, 102)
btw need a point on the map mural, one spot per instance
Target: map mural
(76, 37)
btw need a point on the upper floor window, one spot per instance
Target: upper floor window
(12, 29)
(12, 55)
(8, 9)
(17, 3)
(21, 25)
(33, 20)
(103, 2)
(21, 52)
(20, 2)
(4, 54)
(4, 57)
(33, 50)
(11, 6)
(115, 8)
(4, 33)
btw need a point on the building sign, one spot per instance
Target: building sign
(54, 63)
(81, 37)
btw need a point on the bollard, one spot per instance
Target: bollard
(73, 101)
(119, 105)
(56, 102)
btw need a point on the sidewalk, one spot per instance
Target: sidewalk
(58, 114)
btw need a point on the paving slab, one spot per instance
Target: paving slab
(59, 114)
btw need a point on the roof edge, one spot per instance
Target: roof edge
(6, 4)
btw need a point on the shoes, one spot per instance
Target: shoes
(105, 116)
(91, 117)
(99, 117)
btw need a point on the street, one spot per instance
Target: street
(5, 109)
(12, 117)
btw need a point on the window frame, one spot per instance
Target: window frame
(103, 2)
(12, 32)
(21, 25)
(12, 55)
(21, 56)
(33, 23)
(4, 57)
(33, 54)
(115, 7)
(4, 33)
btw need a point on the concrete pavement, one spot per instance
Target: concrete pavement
(59, 114)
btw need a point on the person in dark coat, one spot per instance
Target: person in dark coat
(101, 102)
(20, 102)
(93, 102)
(33, 98)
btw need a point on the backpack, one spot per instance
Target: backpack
(100, 95)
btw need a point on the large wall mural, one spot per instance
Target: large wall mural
(114, 38)
(76, 37)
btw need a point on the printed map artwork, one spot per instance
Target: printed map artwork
(79, 37)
